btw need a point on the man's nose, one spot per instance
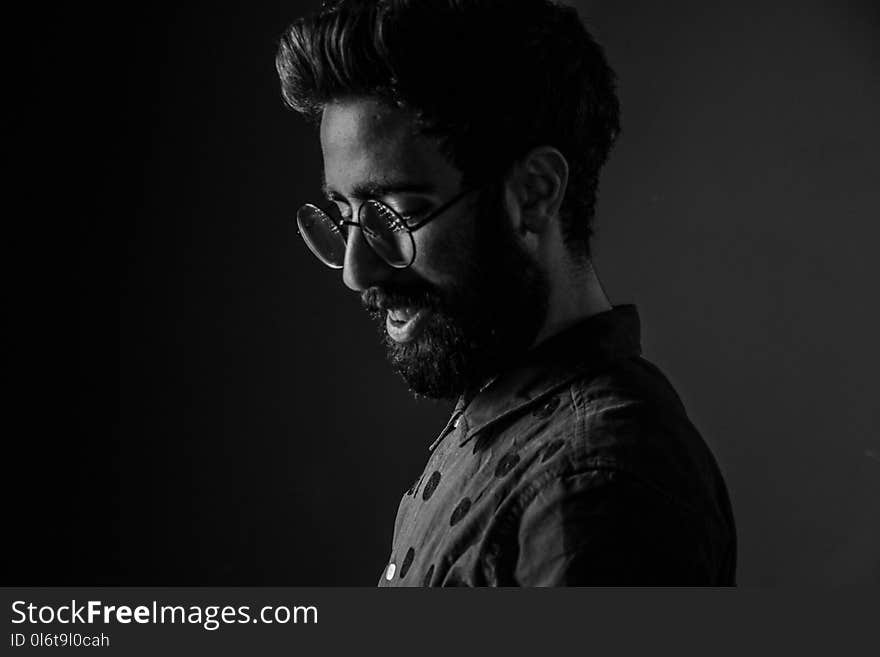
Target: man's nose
(363, 268)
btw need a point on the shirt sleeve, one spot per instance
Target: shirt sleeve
(607, 528)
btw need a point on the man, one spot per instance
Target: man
(462, 142)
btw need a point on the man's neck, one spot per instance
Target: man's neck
(572, 301)
(580, 297)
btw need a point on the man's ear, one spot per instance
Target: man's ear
(537, 186)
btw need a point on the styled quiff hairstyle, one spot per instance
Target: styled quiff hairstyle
(492, 79)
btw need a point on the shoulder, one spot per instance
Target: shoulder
(629, 419)
(620, 431)
(620, 488)
(626, 417)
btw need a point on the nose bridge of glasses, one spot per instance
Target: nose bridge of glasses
(358, 240)
(342, 222)
(355, 220)
(363, 265)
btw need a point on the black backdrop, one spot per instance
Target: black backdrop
(193, 400)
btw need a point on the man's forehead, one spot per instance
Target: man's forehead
(365, 123)
(367, 140)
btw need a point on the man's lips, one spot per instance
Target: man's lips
(402, 315)
(404, 324)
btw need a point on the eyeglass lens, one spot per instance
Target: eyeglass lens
(383, 228)
(387, 234)
(322, 235)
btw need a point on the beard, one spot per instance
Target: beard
(492, 315)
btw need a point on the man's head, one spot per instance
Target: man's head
(422, 101)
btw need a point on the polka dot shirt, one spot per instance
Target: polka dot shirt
(576, 466)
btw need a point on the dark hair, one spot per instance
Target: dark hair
(492, 78)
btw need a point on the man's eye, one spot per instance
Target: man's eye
(412, 215)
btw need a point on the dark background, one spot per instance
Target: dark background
(194, 400)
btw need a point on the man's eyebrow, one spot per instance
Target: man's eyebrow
(372, 190)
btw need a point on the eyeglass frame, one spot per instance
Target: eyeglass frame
(410, 229)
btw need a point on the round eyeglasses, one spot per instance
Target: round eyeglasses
(385, 230)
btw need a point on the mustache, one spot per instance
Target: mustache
(378, 299)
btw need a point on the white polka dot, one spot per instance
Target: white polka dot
(389, 574)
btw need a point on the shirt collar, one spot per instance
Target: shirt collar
(585, 346)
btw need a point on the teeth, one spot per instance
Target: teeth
(402, 314)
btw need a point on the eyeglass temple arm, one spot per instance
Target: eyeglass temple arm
(443, 208)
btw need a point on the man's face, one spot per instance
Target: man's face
(472, 298)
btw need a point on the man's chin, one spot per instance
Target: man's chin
(434, 364)
(426, 374)
(428, 383)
